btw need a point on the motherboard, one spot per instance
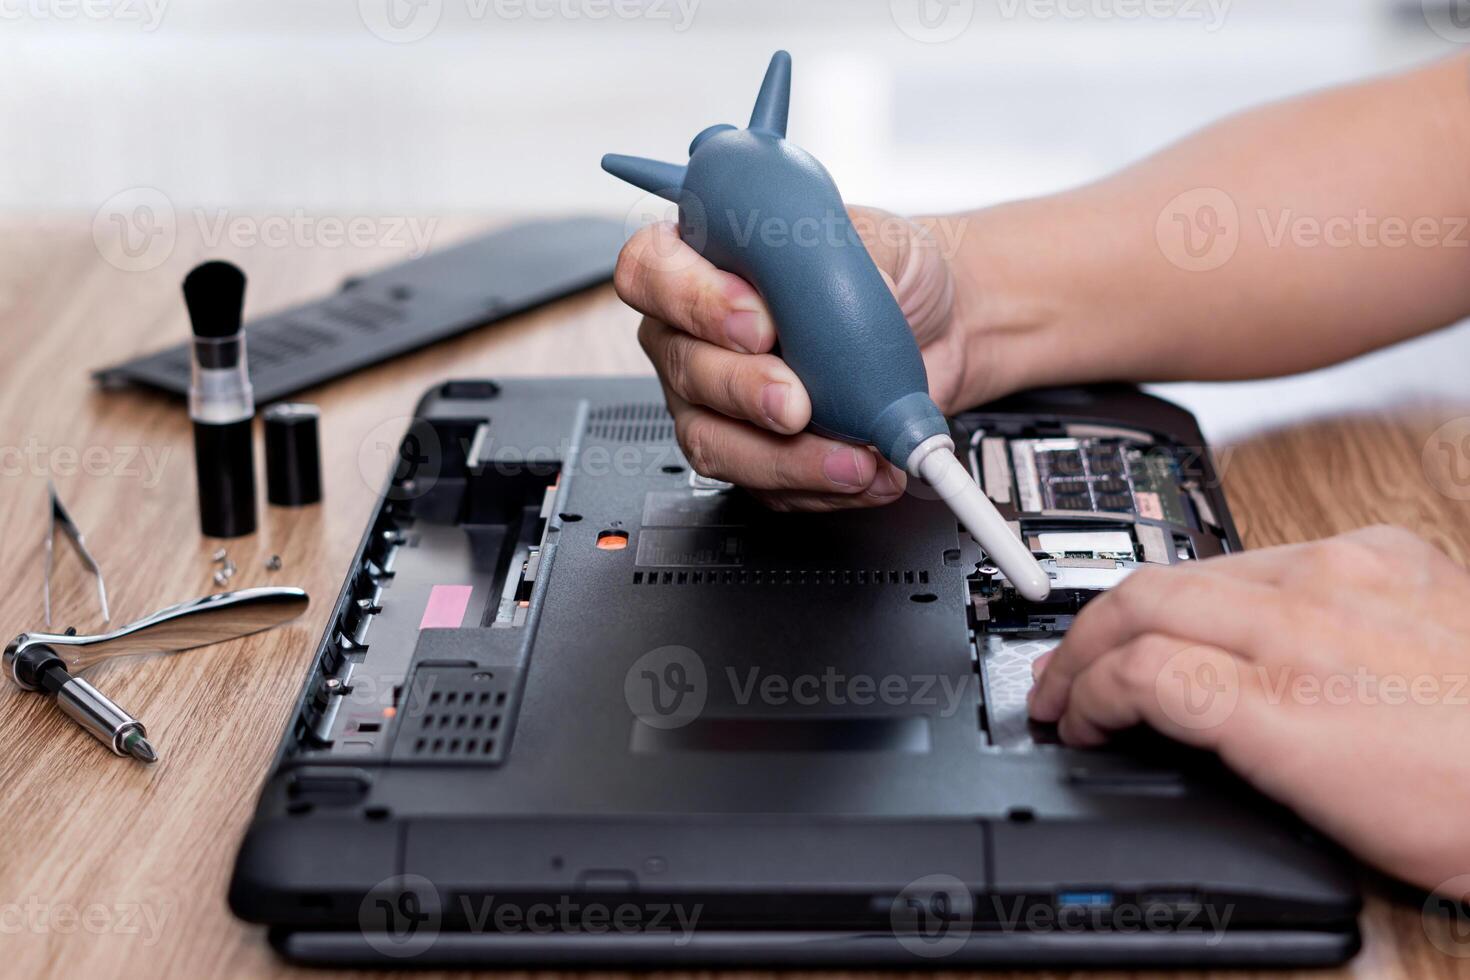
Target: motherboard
(1095, 504)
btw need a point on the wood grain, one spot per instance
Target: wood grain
(114, 869)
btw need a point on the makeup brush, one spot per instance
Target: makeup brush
(221, 402)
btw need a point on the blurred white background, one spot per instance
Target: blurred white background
(508, 104)
(409, 106)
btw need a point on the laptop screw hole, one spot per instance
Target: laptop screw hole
(923, 597)
(556, 862)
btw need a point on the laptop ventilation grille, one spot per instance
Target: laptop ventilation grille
(632, 422)
(457, 713)
(280, 340)
(784, 576)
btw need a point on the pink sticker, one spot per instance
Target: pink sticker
(446, 607)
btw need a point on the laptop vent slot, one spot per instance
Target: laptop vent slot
(633, 422)
(365, 314)
(458, 713)
(784, 576)
(279, 342)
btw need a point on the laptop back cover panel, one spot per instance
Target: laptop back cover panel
(569, 663)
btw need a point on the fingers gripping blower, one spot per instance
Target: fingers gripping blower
(767, 211)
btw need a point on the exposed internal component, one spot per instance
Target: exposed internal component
(1094, 505)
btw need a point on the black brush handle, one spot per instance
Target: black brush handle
(224, 461)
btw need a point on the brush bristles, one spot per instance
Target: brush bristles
(215, 295)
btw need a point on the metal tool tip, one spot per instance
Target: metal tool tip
(141, 749)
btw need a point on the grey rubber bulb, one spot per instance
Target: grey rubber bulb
(759, 206)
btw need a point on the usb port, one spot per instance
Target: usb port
(1084, 900)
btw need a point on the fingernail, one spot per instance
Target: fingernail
(773, 403)
(743, 327)
(885, 484)
(843, 467)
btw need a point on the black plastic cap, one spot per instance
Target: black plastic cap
(293, 468)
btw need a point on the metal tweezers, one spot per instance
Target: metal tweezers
(60, 518)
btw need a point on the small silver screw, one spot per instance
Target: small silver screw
(273, 563)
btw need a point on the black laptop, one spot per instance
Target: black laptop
(578, 704)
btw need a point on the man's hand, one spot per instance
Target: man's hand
(1334, 676)
(738, 409)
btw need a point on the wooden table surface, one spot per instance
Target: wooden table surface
(112, 868)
